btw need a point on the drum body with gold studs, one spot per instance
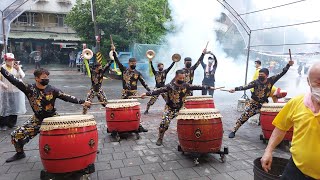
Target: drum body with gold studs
(268, 112)
(68, 143)
(123, 115)
(192, 102)
(200, 130)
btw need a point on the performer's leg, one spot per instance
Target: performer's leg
(168, 115)
(90, 97)
(252, 109)
(102, 97)
(124, 94)
(22, 135)
(12, 121)
(165, 97)
(211, 92)
(152, 100)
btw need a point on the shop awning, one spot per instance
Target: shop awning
(44, 35)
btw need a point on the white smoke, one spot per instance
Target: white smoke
(195, 24)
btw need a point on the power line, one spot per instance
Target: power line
(288, 25)
(272, 7)
(289, 44)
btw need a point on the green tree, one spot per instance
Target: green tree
(128, 21)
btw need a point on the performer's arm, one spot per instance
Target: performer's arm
(13, 80)
(252, 84)
(203, 65)
(157, 91)
(121, 67)
(214, 68)
(68, 98)
(143, 82)
(197, 87)
(170, 67)
(153, 70)
(194, 67)
(276, 77)
(106, 67)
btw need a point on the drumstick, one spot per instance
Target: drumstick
(137, 96)
(98, 103)
(290, 54)
(111, 40)
(219, 87)
(207, 45)
(224, 90)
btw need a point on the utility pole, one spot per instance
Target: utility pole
(3, 33)
(96, 29)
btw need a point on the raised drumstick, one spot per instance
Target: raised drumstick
(137, 96)
(219, 87)
(207, 45)
(290, 54)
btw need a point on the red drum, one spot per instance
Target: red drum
(123, 115)
(267, 113)
(200, 130)
(68, 143)
(199, 102)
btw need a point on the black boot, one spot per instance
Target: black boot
(142, 129)
(232, 134)
(160, 138)
(17, 156)
(147, 110)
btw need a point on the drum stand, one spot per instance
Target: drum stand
(197, 155)
(116, 134)
(76, 175)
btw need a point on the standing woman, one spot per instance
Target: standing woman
(11, 98)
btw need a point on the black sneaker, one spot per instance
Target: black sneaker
(232, 134)
(17, 156)
(146, 112)
(142, 129)
(159, 142)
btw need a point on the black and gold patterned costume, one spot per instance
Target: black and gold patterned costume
(160, 77)
(129, 80)
(96, 90)
(190, 72)
(42, 102)
(176, 97)
(259, 96)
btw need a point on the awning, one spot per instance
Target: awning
(44, 35)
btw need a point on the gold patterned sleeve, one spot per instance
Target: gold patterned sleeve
(68, 98)
(157, 91)
(252, 84)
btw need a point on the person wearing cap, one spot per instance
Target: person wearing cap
(130, 77)
(209, 73)
(189, 70)
(11, 98)
(96, 90)
(303, 113)
(261, 91)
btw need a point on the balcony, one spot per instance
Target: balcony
(51, 27)
(64, 1)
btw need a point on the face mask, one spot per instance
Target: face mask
(160, 69)
(261, 78)
(180, 82)
(132, 66)
(210, 62)
(188, 65)
(315, 91)
(44, 82)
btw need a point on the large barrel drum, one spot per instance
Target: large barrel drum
(123, 115)
(277, 167)
(68, 143)
(267, 113)
(193, 102)
(200, 130)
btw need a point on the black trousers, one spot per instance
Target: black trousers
(291, 172)
(9, 121)
(205, 91)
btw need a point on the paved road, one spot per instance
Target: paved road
(142, 159)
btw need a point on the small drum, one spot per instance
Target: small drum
(123, 115)
(68, 143)
(267, 113)
(200, 130)
(199, 102)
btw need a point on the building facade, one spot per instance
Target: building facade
(42, 28)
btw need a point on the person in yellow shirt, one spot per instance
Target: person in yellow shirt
(302, 113)
(258, 67)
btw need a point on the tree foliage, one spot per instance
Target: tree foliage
(128, 21)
